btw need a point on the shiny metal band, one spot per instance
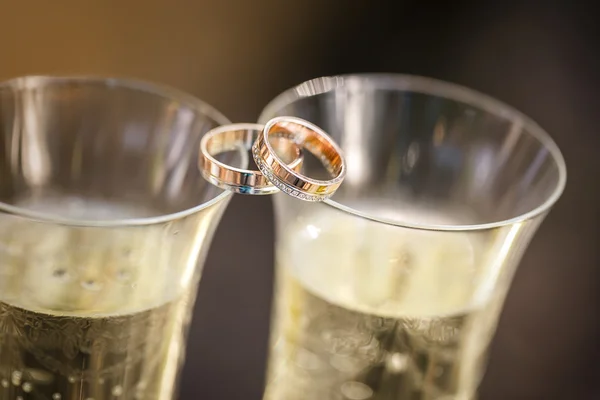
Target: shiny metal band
(232, 137)
(309, 137)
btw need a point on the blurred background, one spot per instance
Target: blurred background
(237, 55)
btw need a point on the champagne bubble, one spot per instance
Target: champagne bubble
(356, 391)
(117, 390)
(92, 285)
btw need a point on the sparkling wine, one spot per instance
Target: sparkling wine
(363, 312)
(52, 356)
(89, 314)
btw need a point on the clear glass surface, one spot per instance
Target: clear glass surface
(105, 222)
(392, 289)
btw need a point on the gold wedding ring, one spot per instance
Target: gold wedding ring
(233, 137)
(309, 137)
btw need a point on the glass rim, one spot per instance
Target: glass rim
(439, 88)
(150, 88)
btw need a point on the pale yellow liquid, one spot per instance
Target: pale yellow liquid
(88, 315)
(365, 312)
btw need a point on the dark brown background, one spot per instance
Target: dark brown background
(538, 56)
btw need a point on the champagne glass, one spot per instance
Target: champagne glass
(105, 223)
(392, 288)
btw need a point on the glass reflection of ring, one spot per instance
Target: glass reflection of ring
(231, 138)
(309, 137)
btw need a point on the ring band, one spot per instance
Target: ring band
(313, 139)
(243, 181)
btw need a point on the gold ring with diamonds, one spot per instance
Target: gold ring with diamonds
(307, 136)
(243, 181)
